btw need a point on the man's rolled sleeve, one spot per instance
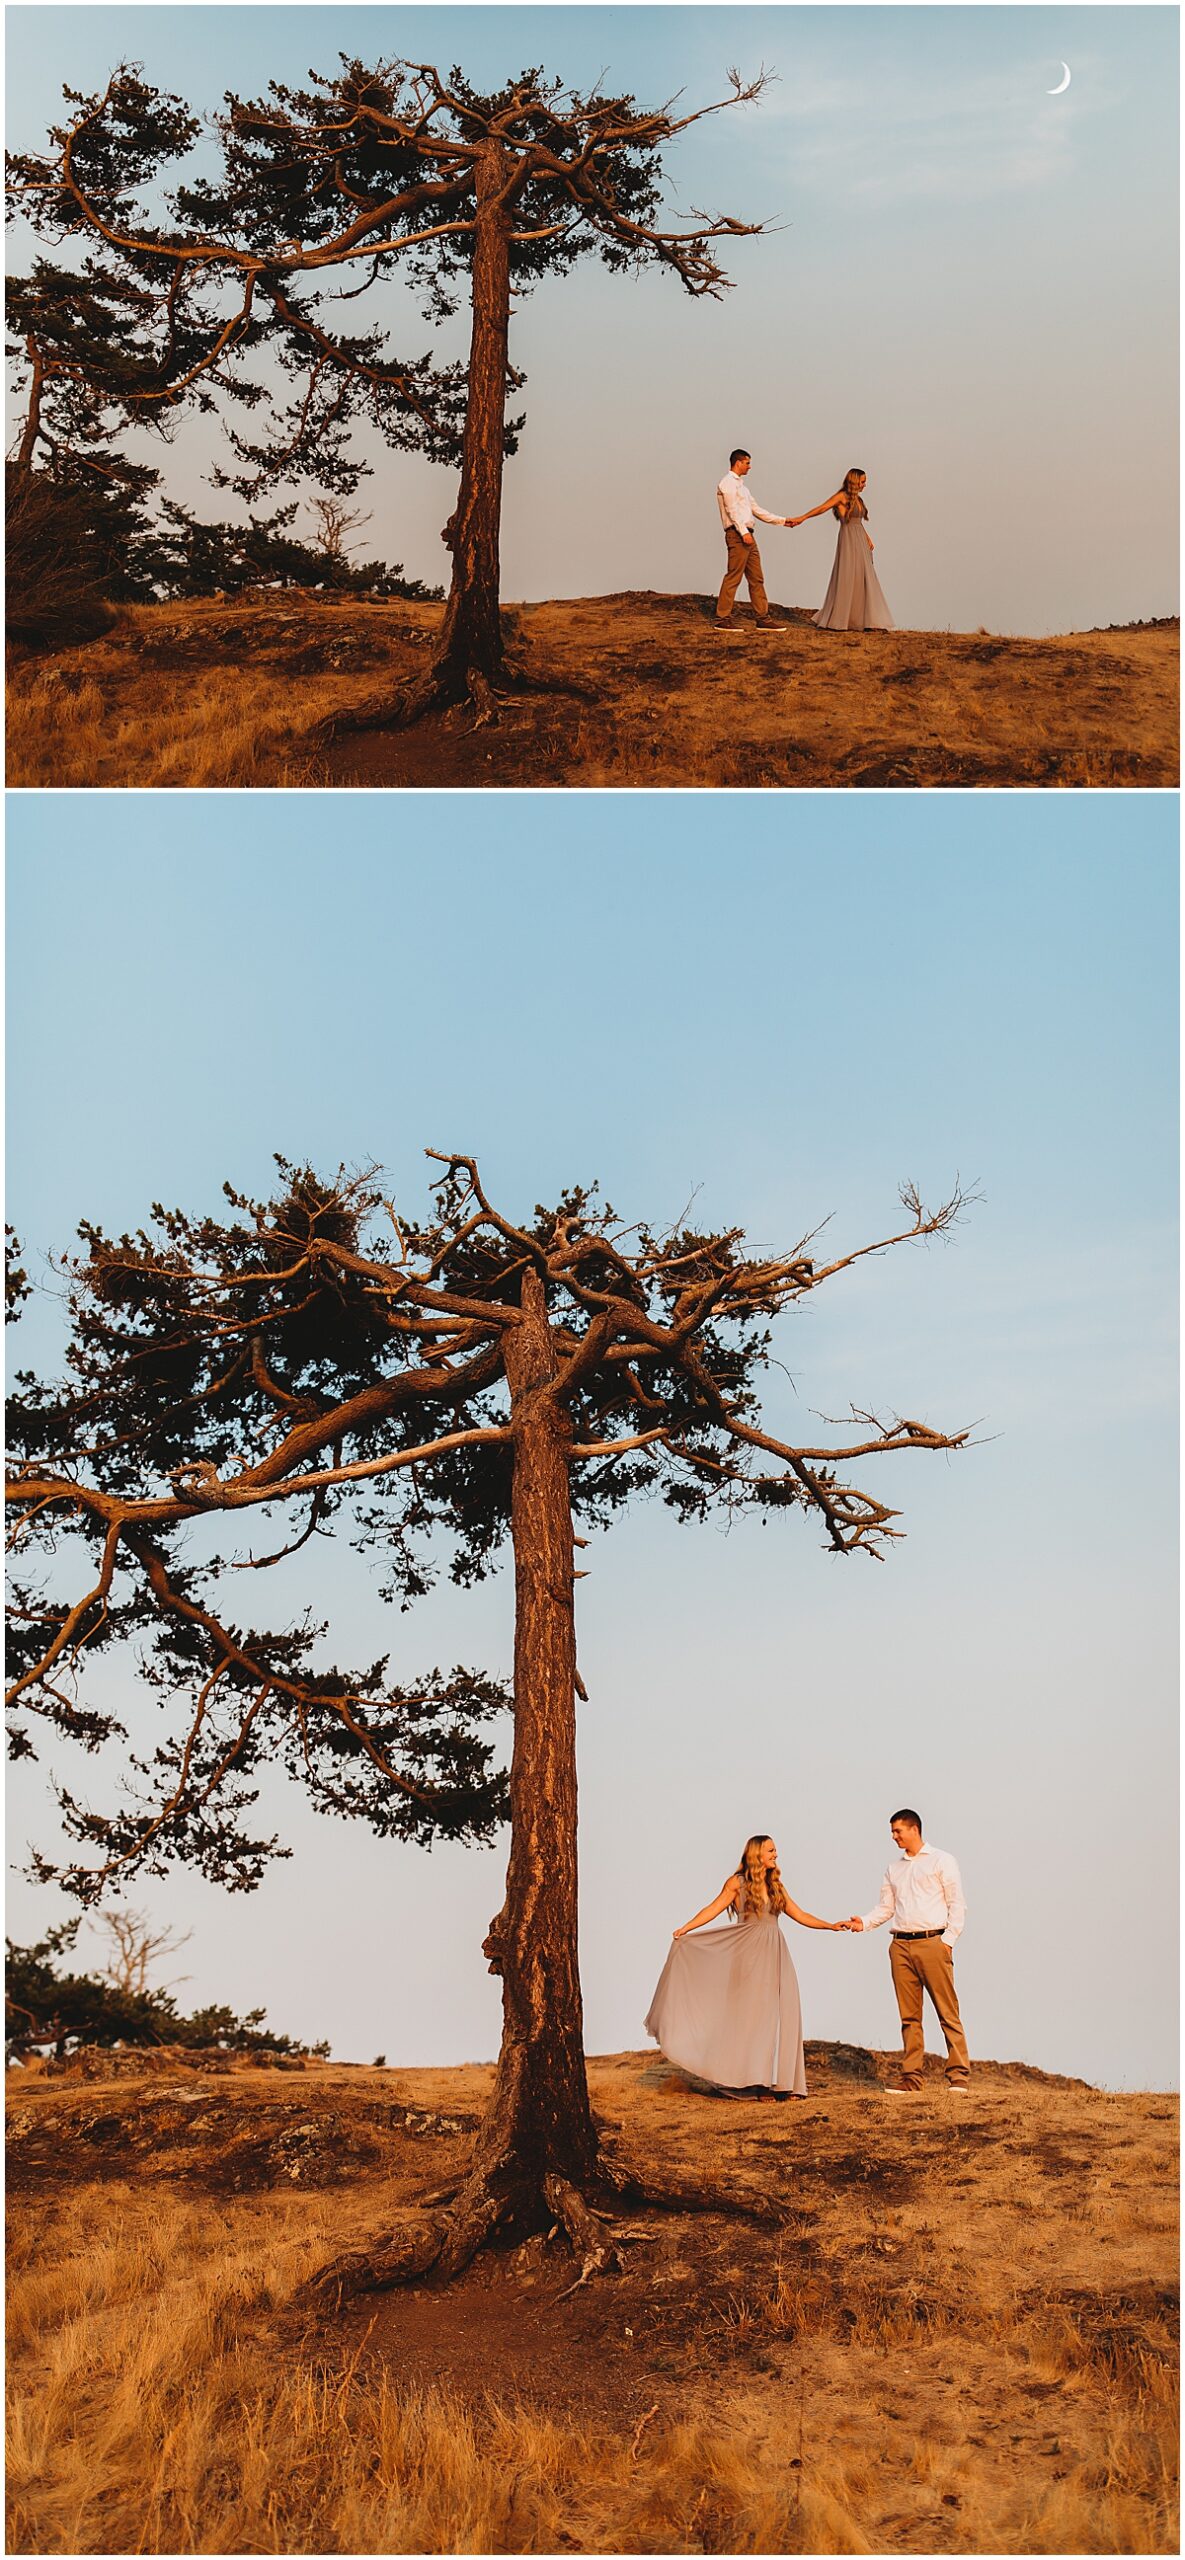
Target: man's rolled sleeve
(884, 1910)
(956, 1908)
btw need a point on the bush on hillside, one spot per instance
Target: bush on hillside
(44, 2005)
(78, 546)
(53, 587)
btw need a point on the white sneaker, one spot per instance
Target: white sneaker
(958, 2089)
(900, 2093)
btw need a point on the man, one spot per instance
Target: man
(923, 1897)
(737, 510)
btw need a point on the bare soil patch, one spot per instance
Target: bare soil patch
(238, 693)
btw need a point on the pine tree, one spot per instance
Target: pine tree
(464, 1383)
(363, 175)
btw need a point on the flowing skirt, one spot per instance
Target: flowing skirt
(727, 2008)
(854, 600)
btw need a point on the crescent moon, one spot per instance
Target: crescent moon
(1062, 84)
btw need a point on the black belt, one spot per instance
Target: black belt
(917, 1933)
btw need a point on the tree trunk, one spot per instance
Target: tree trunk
(536, 2159)
(470, 663)
(470, 655)
(32, 431)
(536, 2153)
(539, 2121)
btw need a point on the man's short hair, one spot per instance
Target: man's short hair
(906, 1815)
(741, 454)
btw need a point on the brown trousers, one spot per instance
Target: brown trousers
(744, 561)
(920, 1965)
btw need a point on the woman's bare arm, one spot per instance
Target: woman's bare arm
(712, 1910)
(840, 498)
(807, 1920)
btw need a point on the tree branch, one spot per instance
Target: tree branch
(75, 1618)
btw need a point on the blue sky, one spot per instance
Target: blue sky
(794, 1005)
(968, 286)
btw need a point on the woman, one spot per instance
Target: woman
(854, 600)
(727, 2006)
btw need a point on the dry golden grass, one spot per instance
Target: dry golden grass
(218, 694)
(219, 730)
(151, 2414)
(959, 2341)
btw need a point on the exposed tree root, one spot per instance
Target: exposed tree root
(442, 2243)
(517, 676)
(414, 2245)
(593, 2241)
(450, 684)
(483, 2203)
(421, 2243)
(685, 2195)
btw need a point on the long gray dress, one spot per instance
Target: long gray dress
(727, 2007)
(854, 600)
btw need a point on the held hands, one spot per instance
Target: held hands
(855, 1924)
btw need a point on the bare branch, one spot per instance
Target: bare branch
(201, 1486)
(73, 1629)
(257, 1564)
(616, 1448)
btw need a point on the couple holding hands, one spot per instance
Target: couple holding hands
(854, 600)
(727, 2007)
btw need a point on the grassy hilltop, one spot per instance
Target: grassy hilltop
(237, 694)
(959, 2339)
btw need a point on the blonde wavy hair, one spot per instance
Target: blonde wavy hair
(762, 1889)
(855, 503)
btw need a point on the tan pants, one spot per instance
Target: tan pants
(744, 561)
(920, 1965)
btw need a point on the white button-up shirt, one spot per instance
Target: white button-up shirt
(737, 507)
(925, 1892)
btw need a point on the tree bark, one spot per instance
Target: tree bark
(470, 663)
(536, 2152)
(28, 443)
(537, 2157)
(470, 656)
(540, 2122)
